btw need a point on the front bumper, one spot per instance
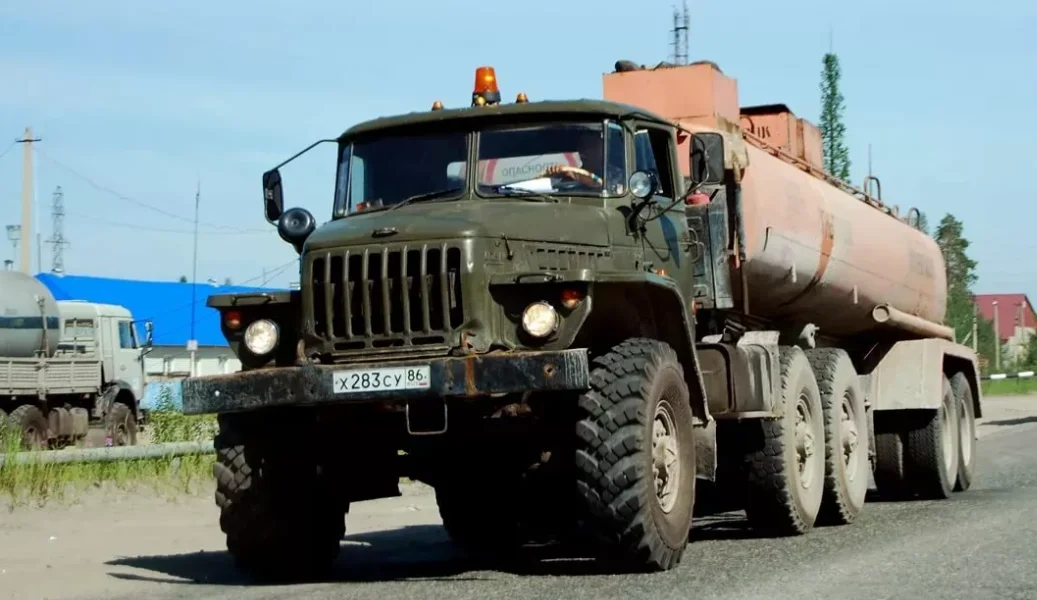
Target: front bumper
(469, 376)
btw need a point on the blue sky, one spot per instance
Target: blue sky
(146, 99)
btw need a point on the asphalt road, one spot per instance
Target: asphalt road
(979, 544)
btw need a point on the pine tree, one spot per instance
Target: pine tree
(922, 224)
(961, 275)
(833, 131)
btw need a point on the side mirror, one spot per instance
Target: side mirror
(707, 159)
(644, 184)
(295, 225)
(149, 328)
(273, 197)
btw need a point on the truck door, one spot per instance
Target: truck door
(668, 243)
(128, 357)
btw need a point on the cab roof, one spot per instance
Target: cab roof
(504, 112)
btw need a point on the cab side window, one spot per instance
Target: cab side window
(615, 160)
(651, 153)
(126, 336)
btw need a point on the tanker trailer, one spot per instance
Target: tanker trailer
(30, 325)
(788, 256)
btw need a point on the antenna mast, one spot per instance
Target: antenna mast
(57, 239)
(681, 24)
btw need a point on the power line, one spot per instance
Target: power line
(125, 225)
(103, 188)
(4, 153)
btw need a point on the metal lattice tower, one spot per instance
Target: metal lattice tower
(57, 215)
(681, 24)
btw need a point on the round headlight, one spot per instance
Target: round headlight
(539, 319)
(261, 337)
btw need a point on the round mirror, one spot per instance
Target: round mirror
(643, 184)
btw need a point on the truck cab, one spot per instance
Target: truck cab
(108, 333)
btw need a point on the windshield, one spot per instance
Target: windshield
(387, 170)
(565, 158)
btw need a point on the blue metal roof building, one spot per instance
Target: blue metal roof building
(166, 303)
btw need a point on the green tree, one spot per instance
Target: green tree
(1028, 359)
(922, 223)
(183, 279)
(961, 275)
(833, 131)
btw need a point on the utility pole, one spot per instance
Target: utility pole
(997, 338)
(57, 235)
(975, 326)
(25, 261)
(192, 344)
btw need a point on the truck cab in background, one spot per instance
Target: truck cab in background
(67, 367)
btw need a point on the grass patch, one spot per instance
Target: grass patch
(39, 483)
(1010, 387)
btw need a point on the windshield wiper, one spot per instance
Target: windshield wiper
(532, 196)
(433, 195)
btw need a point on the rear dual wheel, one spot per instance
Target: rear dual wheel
(923, 458)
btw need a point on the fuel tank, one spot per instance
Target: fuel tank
(22, 317)
(817, 254)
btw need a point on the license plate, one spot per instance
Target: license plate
(386, 379)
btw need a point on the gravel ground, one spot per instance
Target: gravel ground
(977, 545)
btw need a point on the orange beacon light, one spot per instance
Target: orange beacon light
(485, 87)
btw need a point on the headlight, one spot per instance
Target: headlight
(261, 337)
(539, 319)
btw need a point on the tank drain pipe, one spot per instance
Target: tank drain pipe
(884, 314)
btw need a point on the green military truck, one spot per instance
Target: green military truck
(542, 310)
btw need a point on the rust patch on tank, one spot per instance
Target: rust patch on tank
(827, 244)
(469, 376)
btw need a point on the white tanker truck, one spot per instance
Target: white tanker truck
(66, 366)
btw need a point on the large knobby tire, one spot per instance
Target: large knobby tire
(635, 457)
(121, 425)
(890, 474)
(786, 473)
(28, 421)
(846, 436)
(931, 450)
(966, 431)
(282, 511)
(479, 512)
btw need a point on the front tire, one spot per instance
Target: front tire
(635, 456)
(282, 510)
(122, 425)
(786, 474)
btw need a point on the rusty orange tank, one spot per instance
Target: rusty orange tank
(815, 250)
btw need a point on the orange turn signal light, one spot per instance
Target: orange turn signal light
(571, 298)
(232, 319)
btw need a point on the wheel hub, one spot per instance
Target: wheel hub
(805, 443)
(850, 437)
(666, 459)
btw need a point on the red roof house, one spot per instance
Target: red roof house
(1008, 312)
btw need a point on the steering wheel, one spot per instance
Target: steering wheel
(567, 183)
